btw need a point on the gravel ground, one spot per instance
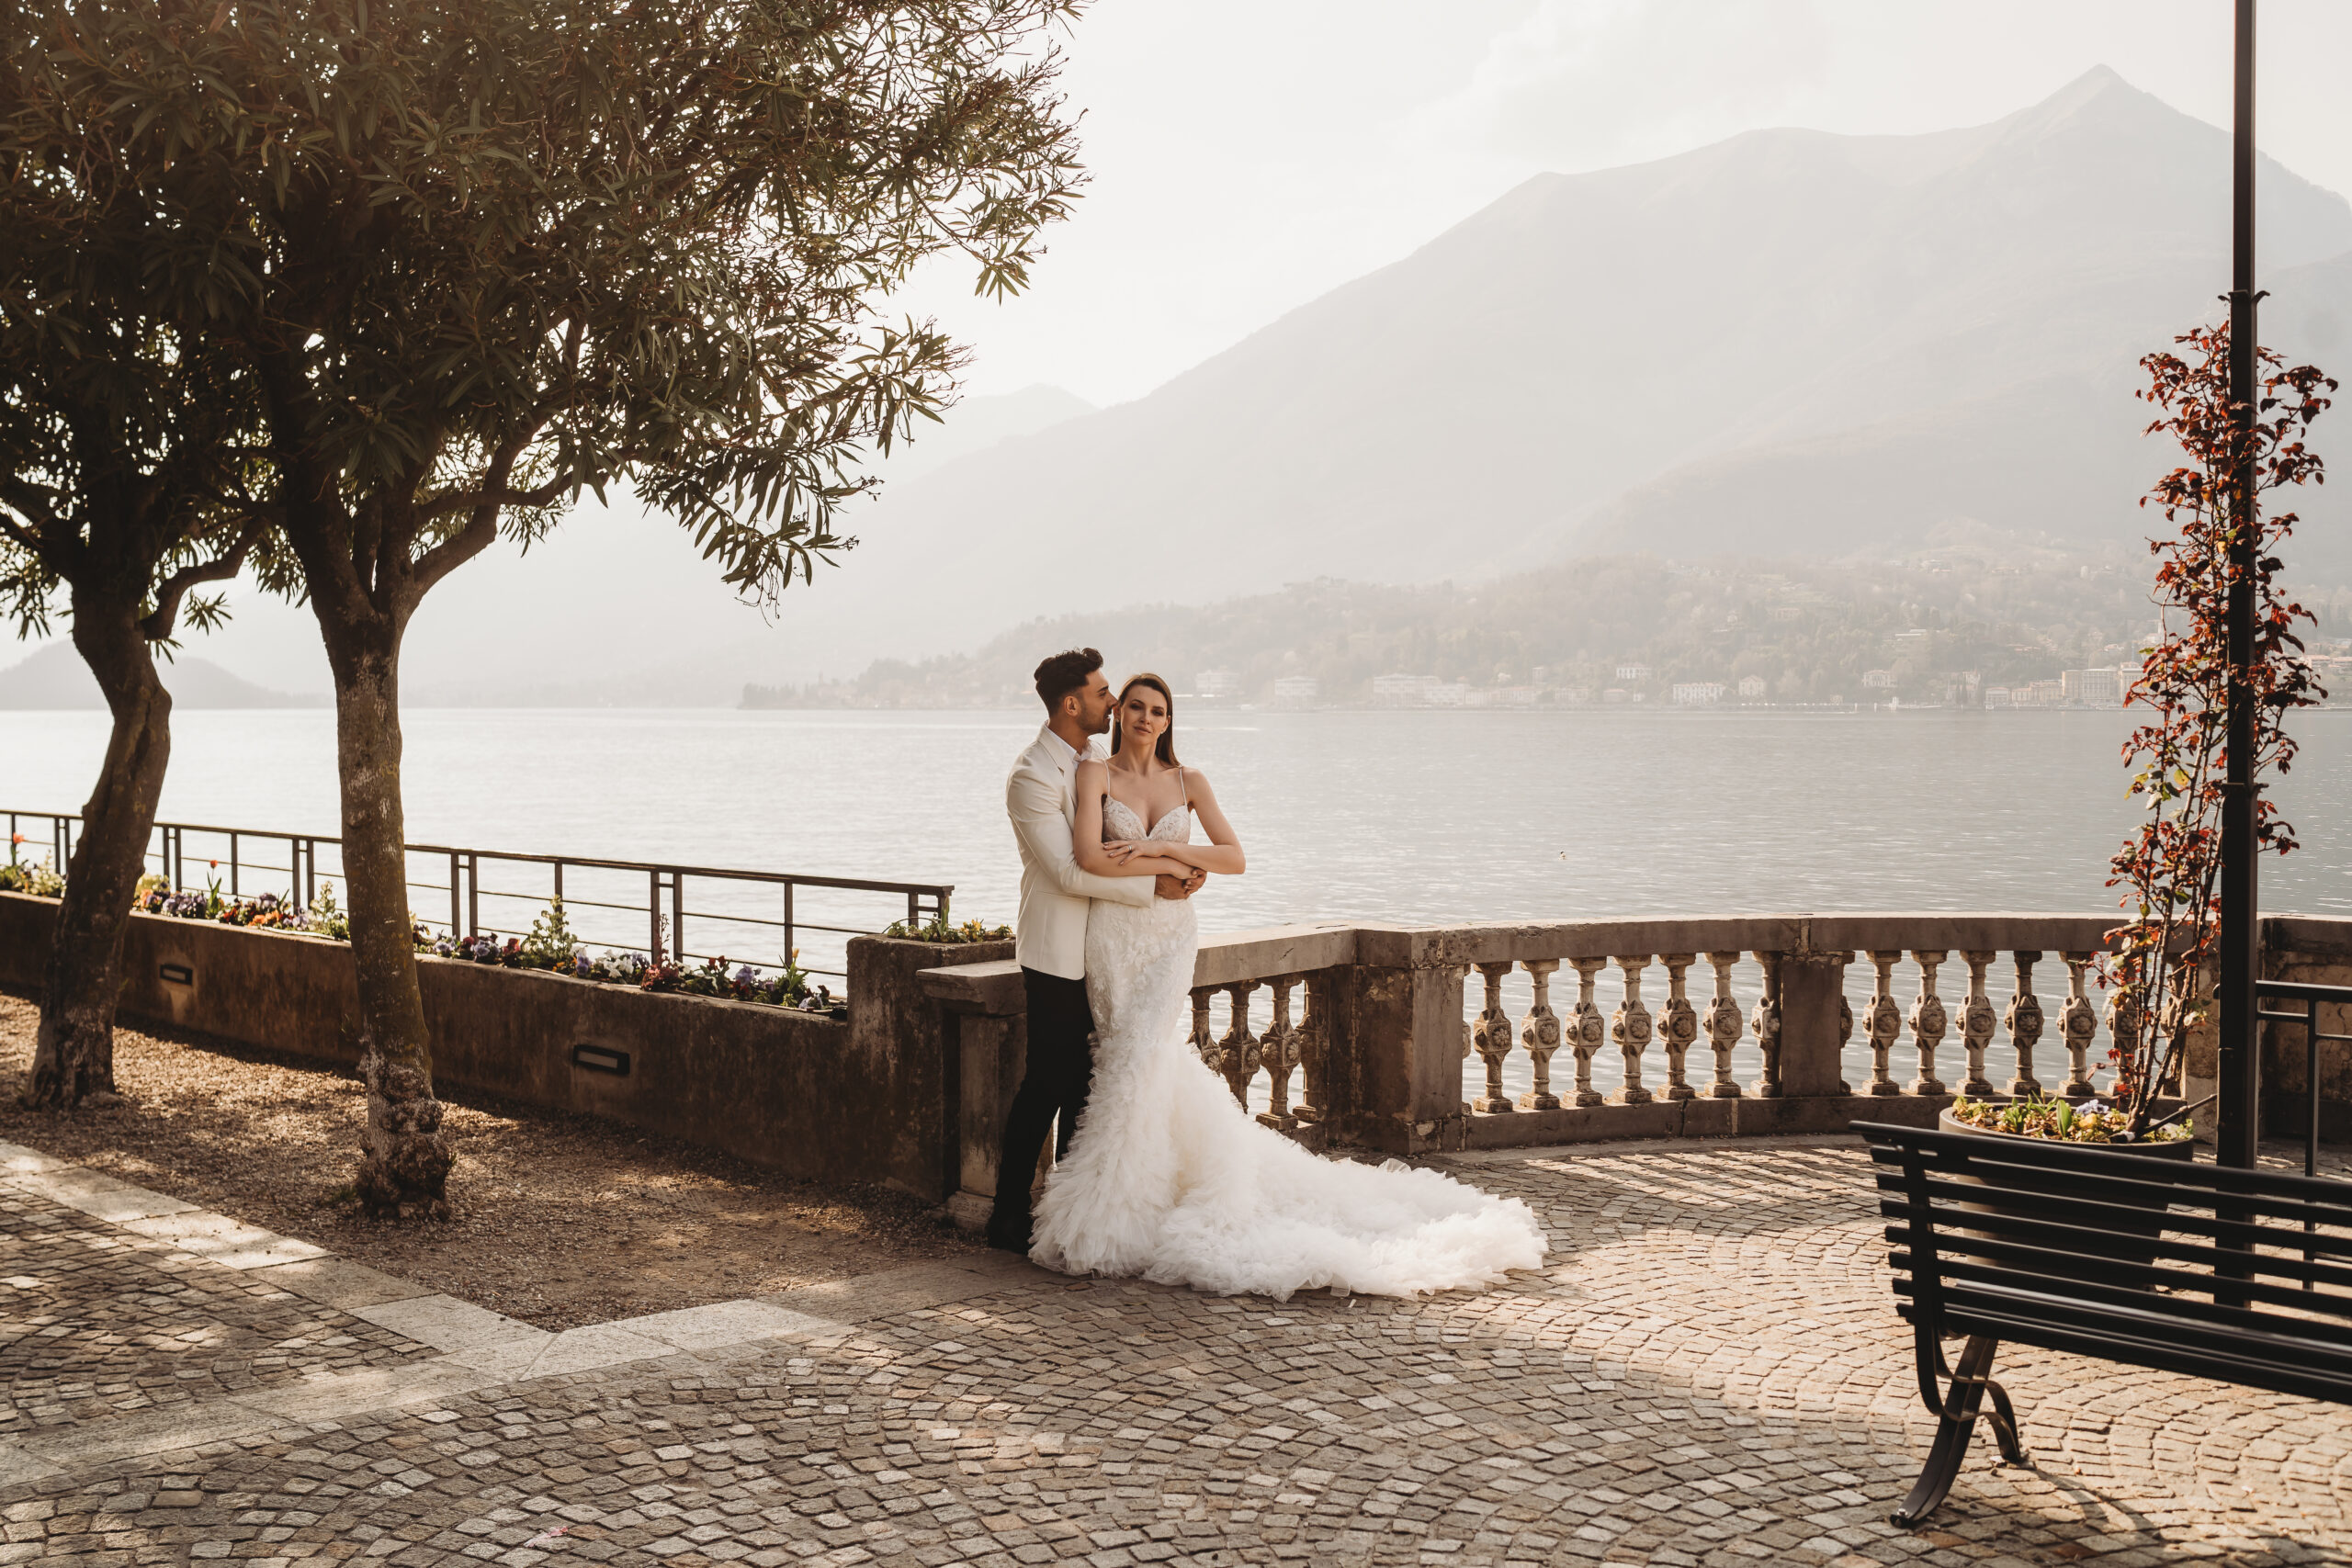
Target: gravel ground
(562, 1220)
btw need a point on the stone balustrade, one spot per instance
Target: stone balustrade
(1412, 1040)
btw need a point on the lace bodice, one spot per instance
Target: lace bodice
(1121, 821)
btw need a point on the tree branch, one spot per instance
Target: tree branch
(158, 624)
(483, 527)
(54, 546)
(469, 500)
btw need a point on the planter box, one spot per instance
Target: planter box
(866, 1099)
(2122, 1247)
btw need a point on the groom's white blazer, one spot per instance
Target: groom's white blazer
(1041, 797)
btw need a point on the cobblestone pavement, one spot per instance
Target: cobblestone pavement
(97, 1320)
(1708, 1371)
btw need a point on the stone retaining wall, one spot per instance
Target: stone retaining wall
(868, 1099)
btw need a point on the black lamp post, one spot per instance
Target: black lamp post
(2240, 1067)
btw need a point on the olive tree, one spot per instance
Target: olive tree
(510, 250)
(127, 444)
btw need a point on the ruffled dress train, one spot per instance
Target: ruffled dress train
(1169, 1179)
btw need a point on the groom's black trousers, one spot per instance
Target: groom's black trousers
(1059, 1071)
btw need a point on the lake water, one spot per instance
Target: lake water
(1412, 816)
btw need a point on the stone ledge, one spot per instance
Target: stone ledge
(1682, 1119)
(219, 1239)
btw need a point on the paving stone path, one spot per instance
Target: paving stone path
(1708, 1371)
(97, 1320)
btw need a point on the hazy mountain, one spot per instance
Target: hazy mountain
(55, 677)
(1800, 342)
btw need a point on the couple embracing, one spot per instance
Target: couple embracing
(1160, 1174)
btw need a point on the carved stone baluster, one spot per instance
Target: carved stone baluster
(1723, 1026)
(1677, 1025)
(1278, 1049)
(2123, 1016)
(1766, 1024)
(1493, 1038)
(1204, 1038)
(1977, 1022)
(1460, 974)
(1239, 1049)
(1929, 1019)
(1882, 1023)
(2078, 1026)
(1631, 1028)
(1314, 1052)
(1845, 1027)
(2024, 1023)
(1587, 1028)
(1540, 1034)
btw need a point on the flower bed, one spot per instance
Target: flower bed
(939, 931)
(42, 881)
(2089, 1123)
(712, 977)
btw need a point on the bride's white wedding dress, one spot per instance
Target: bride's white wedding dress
(1168, 1178)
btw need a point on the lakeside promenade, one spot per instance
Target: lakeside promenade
(1708, 1371)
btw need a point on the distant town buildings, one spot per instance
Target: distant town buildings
(1296, 691)
(2100, 688)
(2091, 688)
(1417, 692)
(1882, 679)
(1697, 693)
(1752, 688)
(1633, 674)
(1401, 690)
(1217, 683)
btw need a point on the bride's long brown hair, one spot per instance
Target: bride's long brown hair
(1166, 749)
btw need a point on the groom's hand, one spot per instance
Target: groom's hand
(1174, 886)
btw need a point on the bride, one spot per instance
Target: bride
(1168, 1178)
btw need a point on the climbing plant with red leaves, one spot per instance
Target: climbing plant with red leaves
(2161, 971)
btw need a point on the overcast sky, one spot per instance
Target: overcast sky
(1249, 154)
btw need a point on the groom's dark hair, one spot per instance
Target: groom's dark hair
(1065, 672)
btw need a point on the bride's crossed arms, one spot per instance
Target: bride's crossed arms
(1143, 775)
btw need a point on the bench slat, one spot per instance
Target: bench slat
(2305, 1343)
(2276, 1244)
(2109, 1342)
(2120, 1280)
(2126, 1191)
(2217, 1180)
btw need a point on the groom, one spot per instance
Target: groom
(1051, 941)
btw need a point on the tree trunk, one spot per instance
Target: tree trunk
(404, 1169)
(74, 1049)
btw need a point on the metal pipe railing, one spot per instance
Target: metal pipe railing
(665, 885)
(2312, 998)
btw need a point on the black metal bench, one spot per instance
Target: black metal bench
(2241, 1276)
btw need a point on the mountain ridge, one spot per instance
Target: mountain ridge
(54, 678)
(1503, 395)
